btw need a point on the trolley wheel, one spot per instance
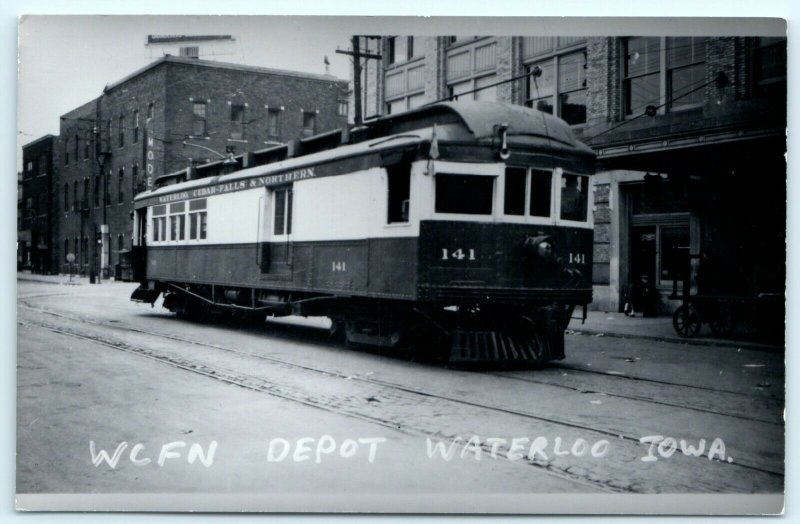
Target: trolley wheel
(686, 321)
(193, 310)
(722, 321)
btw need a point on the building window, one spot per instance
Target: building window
(66, 152)
(678, 86)
(282, 216)
(641, 84)
(686, 58)
(85, 201)
(66, 196)
(77, 148)
(190, 52)
(199, 121)
(400, 49)
(107, 189)
(121, 186)
(471, 71)
(42, 165)
(150, 110)
(560, 87)
(85, 250)
(121, 131)
(135, 126)
(770, 66)
(197, 219)
(66, 249)
(120, 242)
(75, 202)
(136, 185)
(96, 190)
(309, 123)
(405, 89)
(273, 124)
(108, 135)
(343, 109)
(238, 122)
(86, 149)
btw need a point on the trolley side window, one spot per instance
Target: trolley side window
(399, 181)
(197, 219)
(282, 214)
(574, 197)
(541, 187)
(516, 180)
(159, 223)
(177, 221)
(464, 194)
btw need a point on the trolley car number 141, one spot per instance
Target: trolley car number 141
(458, 254)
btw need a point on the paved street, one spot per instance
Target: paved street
(235, 408)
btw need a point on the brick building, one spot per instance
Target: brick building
(34, 227)
(689, 132)
(172, 114)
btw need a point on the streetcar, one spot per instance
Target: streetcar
(458, 231)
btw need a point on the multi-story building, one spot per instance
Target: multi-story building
(172, 114)
(689, 132)
(35, 230)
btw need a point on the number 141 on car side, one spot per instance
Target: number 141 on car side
(458, 254)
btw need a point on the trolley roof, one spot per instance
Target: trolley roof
(463, 122)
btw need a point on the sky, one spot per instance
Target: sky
(65, 61)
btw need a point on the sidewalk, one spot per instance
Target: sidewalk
(599, 323)
(75, 280)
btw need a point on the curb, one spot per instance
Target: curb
(56, 282)
(755, 346)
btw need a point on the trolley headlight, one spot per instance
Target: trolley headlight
(544, 249)
(539, 246)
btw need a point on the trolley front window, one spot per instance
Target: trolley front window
(534, 183)
(574, 197)
(464, 194)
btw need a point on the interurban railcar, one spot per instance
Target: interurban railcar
(460, 230)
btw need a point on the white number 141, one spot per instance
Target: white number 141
(458, 254)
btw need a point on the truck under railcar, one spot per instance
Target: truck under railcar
(461, 231)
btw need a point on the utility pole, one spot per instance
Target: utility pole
(357, 56)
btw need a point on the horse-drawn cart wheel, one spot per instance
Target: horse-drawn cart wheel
(686, 321)
(722, 320)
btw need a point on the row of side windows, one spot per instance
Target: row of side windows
(239, 122)
(169, 221)
(76, 204)
(528, 192)
(72, 148)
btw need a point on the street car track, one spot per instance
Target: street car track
(499, 374)
(217, 373)
(643, 398)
